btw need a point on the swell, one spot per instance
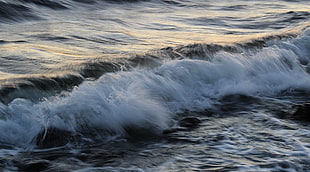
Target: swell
(202, 50)
(46, 86)
(38, 88)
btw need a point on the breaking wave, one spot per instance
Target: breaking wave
(142, 94)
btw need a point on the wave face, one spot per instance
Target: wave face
(147, 99)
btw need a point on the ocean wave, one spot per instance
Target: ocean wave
(37, 88)
(143, 94)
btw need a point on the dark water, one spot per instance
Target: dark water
(154, 85)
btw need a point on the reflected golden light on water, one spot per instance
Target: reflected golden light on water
(47, 50)
(115, 31)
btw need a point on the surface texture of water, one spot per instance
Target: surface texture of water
(154, 85)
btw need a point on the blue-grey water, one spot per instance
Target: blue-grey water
(154, 85)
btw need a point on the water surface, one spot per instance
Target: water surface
(154, 85)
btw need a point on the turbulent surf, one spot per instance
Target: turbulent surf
(154, 85)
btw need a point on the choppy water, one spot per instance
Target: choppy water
(154, 85)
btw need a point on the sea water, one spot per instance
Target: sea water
(154, 85)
